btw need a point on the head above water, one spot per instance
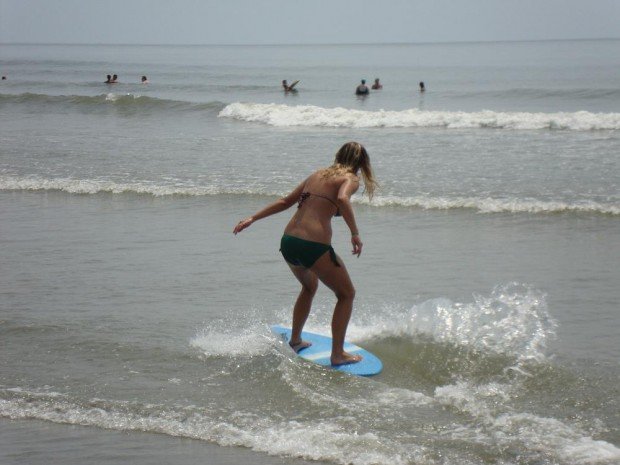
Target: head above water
(353, 157)
(363, 81)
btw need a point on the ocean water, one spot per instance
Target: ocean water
(134, 326)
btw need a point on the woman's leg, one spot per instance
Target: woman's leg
(338, 280)
(309, 284)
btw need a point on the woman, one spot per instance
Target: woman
(306, 243)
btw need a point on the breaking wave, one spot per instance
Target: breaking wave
(314, 116)
(498, 205)
(426, 202)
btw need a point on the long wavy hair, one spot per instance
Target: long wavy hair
(352, 157)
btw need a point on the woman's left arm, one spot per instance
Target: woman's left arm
(346, 190)
(276, 207)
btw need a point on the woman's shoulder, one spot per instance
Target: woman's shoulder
(337, 172)
(335, 178)
(349, 176)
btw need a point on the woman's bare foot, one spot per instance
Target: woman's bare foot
(345, 359)
(299, 346)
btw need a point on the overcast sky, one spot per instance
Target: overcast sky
(307, 21)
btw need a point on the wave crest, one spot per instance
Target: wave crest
(126, 101)
(314, 116)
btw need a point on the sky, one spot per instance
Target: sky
(303, 22)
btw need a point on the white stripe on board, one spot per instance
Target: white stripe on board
(325, 354)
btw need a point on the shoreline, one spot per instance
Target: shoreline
(41, 442)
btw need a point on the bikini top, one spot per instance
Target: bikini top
(305, 195)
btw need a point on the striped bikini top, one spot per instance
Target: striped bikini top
(305, 195)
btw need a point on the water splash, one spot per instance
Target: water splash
(513, 320)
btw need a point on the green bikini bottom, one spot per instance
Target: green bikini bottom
(300, 252)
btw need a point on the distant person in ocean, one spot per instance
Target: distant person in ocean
(4, 78)
(362, 89)
(377, 85)
(108, 79)
(114, 79)
(422, 88)
(289, 88)
(306, 243)
(144, 80)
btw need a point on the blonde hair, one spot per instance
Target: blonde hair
(351, 158)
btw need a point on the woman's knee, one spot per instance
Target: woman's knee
(346, 293)
(310, 286)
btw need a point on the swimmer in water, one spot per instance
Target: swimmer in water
(288, 88)
(362, 89)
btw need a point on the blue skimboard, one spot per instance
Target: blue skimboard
(320, 351)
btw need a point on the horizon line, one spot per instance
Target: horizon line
(124, 44)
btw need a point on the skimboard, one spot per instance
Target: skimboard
(320, 351)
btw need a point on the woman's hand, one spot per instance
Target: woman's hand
(357, 244)
(241, 225)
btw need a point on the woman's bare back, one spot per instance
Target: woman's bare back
(318, 204)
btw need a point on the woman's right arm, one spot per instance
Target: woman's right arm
(276, 207)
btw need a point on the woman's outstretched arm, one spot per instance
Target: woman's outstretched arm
(276, 207)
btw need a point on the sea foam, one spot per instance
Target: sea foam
(557, 440)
